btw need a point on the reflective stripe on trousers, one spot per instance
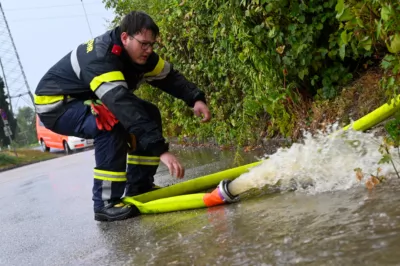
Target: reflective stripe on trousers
(141, 171)
(110, 150)
(104, 186)
(143, 160)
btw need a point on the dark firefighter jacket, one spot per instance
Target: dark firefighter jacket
(101, 68)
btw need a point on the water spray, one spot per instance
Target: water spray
(229, 187)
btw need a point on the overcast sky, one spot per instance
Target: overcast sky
(45, 30)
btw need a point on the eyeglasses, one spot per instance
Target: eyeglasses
(146, 45)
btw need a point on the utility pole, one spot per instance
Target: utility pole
(12, 70)
(6, 87)
(7, 129)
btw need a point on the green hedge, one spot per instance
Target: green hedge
(373, 26)
(254, 58)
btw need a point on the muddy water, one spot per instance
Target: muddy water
(340, 228)
(303, 205)
(330, 218)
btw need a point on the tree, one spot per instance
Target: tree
(26, 130)
(5, 105)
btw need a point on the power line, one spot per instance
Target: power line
(87, 20)
(26, 101)
(17, 103)
(58, 17)
(45, 7)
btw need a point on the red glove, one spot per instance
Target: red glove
(105, 120)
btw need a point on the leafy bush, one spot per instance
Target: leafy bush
(254, 58)
(373, 26)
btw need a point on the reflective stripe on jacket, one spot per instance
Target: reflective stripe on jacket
(101, 68)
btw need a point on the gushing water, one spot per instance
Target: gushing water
(324, 162)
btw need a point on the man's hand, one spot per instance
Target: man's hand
(174, 166)
(200, 109)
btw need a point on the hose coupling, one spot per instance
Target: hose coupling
(224, 192)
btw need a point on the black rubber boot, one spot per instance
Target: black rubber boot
(141, 190)
(148, 189)
(116, 211)
(155, 187)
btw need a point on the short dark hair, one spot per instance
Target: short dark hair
(136, 21)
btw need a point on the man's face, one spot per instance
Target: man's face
(139, 46)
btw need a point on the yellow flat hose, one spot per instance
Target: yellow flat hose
(194, 185)
(376, 116)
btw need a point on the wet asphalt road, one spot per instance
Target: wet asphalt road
(46, 216)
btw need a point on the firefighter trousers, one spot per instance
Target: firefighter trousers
(117, 172)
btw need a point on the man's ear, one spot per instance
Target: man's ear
(124, 38)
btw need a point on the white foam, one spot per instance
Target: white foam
(327, 160)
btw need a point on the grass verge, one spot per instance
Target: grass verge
(24, 156)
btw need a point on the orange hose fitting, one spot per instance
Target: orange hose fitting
(213, 199)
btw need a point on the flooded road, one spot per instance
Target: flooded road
(47, 219)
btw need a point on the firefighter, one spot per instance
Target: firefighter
(89, 94)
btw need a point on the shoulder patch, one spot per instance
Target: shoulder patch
(89, 46)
